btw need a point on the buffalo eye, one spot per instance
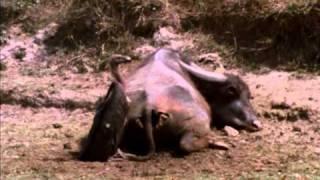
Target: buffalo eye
(231, 91)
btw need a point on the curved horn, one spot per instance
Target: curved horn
(202, 74)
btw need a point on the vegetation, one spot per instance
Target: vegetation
(267, 32)
(280, 33)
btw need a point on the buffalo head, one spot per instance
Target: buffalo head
(228, 96)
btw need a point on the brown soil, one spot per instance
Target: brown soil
(40, 132)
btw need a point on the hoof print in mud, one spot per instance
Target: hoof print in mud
(67, 146)
(57, 125)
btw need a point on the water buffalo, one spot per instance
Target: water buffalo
(159, 87)
(227, 95)
(172, 98)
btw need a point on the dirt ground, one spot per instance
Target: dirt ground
(46, 109)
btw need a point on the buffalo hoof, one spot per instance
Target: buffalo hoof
(219, 145)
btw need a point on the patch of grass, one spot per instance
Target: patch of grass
(111, 26)
(31, 14)
(29, 175)
(100, 22)
(205, 176)
(94, 30)
(20, 54)
(8, 12)
(3, 66)
(307, 167)
(206, 43)
(23, 4)
(276, 176)
(281, 34)
(276, 33)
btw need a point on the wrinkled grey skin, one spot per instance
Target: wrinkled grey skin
(167, 90)
(227, 95)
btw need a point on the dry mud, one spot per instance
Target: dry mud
(45, 111)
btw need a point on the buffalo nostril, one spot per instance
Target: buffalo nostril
(257, 124)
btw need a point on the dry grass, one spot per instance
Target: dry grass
(254, 32)
(111, 23)
(268, 32)
(32, 14)
(277, 33)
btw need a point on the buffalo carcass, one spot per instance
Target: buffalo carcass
(106, 131)
(228, 97)
(160, 88)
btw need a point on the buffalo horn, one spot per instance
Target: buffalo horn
(202, 74)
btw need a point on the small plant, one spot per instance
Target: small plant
(3, 66)
(20, 53)
(24, 4)
(3, 35)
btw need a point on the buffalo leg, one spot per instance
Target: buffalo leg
(149, 133)
(147, 124)
(214, 144)
(191, 143)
